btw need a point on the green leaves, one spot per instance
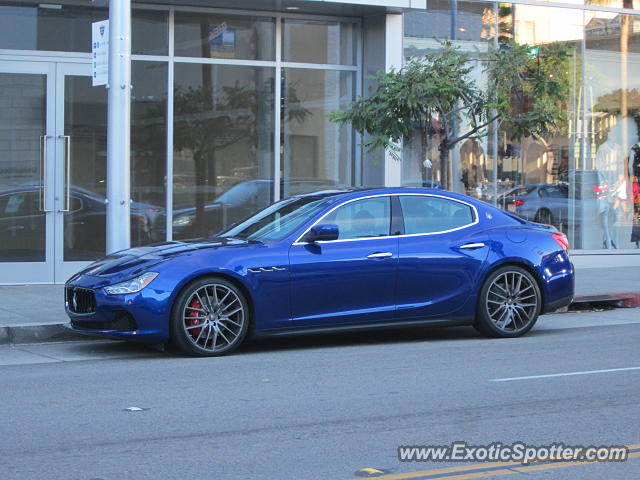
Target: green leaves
(526, 92)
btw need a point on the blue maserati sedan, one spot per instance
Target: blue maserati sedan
(327, 261)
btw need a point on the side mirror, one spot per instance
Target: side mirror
(322, 233)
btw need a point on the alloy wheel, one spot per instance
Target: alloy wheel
(512, 301)
(213, 317)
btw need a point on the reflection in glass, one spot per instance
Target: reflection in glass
(471, 26)
(85, 119)
(224, 36)
(223, 154)
(148, 152)
(149, 32)
(611, 167)
(65, 28)
(22, 123)
(313, 41)
(317, 153)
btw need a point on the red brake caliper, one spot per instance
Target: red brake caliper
(193, 313)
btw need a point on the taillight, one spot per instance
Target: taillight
(517, 203)
(561, 239)
(600, 188)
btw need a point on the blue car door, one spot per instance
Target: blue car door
(352, 279)
(442, 252)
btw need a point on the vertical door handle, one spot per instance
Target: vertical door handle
(42, 199)
(67, 172)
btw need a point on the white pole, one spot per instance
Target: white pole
(118, 126)
(393, 59)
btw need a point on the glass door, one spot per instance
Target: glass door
(81, 160)
(53, 152)
(27, 162)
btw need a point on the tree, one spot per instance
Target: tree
(525, 95)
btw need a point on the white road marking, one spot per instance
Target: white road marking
(567, 374)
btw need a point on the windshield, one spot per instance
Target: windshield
(279, 220)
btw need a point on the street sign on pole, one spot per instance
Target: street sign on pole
(100, 52)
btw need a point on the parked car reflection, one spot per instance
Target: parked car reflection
(584, 201)
(237, 203)
(22, 224)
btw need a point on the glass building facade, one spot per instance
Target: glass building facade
(583, 180)
(229, 113)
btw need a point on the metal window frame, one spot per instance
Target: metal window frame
(278, 65)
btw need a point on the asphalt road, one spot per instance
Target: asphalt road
(321, 407)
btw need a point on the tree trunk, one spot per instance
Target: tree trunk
(424, 151)
(444, 164)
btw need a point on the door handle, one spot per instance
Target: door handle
(472, 246)
(380, 255)
(42, 200)
(67, 172)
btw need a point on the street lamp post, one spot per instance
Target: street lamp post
(118, 126)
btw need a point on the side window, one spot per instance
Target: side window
(424, 214)
(370, 217)
(22, 204)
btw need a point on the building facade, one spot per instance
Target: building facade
(229, 107)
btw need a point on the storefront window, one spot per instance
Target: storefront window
(149, 32)
(584, 178)
(313, 41)
(223, 146)
(148, 152)
(50, 27)
(608, 175)
(317, 153)
(224, 36)
(470, 26)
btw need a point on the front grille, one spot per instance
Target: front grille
(80, 300)
(122, 321)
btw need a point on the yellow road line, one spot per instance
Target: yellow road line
(511, 467)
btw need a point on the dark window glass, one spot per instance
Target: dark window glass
(370, 217)
(149, 32)
(312, 41)
(424, 214)
(51, 27)
(148, 152)
(317, 154)
(223, 153)
(224, 36)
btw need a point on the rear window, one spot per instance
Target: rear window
(426, 214)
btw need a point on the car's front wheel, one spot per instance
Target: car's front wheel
(210, 317)
(509, 303)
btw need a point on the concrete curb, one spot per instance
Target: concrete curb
(631, 299)
(30, 333)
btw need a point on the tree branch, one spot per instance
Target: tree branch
(470, 133)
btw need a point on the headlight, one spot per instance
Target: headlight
(131, 286)
(183, 221)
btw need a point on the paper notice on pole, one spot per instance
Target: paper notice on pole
(100, 52)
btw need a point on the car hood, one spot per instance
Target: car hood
(134, 261)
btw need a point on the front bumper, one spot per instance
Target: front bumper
(141, 317)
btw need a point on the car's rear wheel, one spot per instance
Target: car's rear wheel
(210, 317)
(509, 303)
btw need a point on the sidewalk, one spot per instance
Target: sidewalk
(35, 313)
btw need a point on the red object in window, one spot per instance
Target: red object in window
(561, 239)
(517, 203)
(600, 188)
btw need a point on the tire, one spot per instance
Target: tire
(544, 216)
(509, 303)
(210, 317)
